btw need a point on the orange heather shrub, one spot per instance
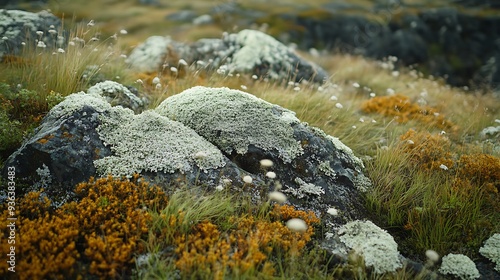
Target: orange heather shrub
(248, 247)
(430, 151)
(403, 110)
(99, 234)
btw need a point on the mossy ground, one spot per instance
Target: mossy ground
(436, 182)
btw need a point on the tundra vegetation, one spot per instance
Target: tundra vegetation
(435, 169)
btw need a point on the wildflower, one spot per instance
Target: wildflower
(94, 39)
(320, 88)
(266, 163)
(254, 77)
(139, 81)
(200, 62)
(361, 120)
(332, 211)
(339, 106)
(123, 55)
(41, 44)
(271, 175)
(410, 142)
(291, 83)
(52, 31)
(243, 87)
(91, 23)
(372, 94)
(5, 38)
(395, 73)
(297, 225)
(219, 188)
(123, 32)
(39, 33)
(158, 86)
(182, 62)
(247, 179)
(59, 50)
(277, 196)
(432, 256)
(390, 91)
(442, 132)
(333, 98)
(173, 69)
(296, 88)
(444, 167)
(155, 81)
(354, 127)
(23, 43)
(356, 85)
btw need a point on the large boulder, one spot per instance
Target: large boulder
(208, 136)
(248, 51)
(20, 29)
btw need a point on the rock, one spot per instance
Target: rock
(203, 20)
(316, 170)
(459, 266)
(182, 15)
(18, 27)
(205, 136)
(248, 51)
(375, 245)
(117, 94)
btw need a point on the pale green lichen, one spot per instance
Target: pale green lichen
(233, 120)
(116, 94)
(76, 101)
(151, 142)
(305, 189)
(326, 169)
(491, 250)
(459, 266)
(375, 245)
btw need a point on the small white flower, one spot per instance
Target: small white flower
(297, 225)
(91, 23)
(390, 91)
(296, 88)
(173, 69)
(219, 188)
(361, 120)
(139, 81)
(247, 179)
(333, 98)
(339, 106)
(442, 132)
(432, 255)
(94, 39)
(59, 50)
(123, 32)
(5, 38)
(183, 62)
(320, 88)
(271, 175)
(374, 121)
(158, 86)
(254, 77)
(41, 44)
(243, 87)
(39, 33)
(52, 31)
(356, 85)
(200, 62)
(123, 55)
(266, 163)
(332, 211)
(372, 94)
(277, 196)
(354, 127)
(291, 83)
(71, 43)
(410, 142)
(200, 155)
(23, 43)
(395, 73)
(52, 26)
(444, 167)
(156, 80)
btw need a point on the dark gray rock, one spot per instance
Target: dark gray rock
(248, 51)
(18, 29)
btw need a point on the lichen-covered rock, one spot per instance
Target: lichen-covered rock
(316, 171)
(459, 266)
(375, 245)
(18, 27)
(491, 250)
(117, 94)
(248, 51)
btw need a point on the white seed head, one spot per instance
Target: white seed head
(173, 69)
(247, 179)
(59, 50)
(297, 225)
(91, 23)
(277, 196)
(266, 163)
(183, 62)
(254, 77)
(123, 32)
(444, 167)
(41, 44)
(271, 175)
(339, 106)
(332, 211)
(156, 80)
(243, 87)
(356, 85)
(39, 33)
(219, 188)
(432, 255)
